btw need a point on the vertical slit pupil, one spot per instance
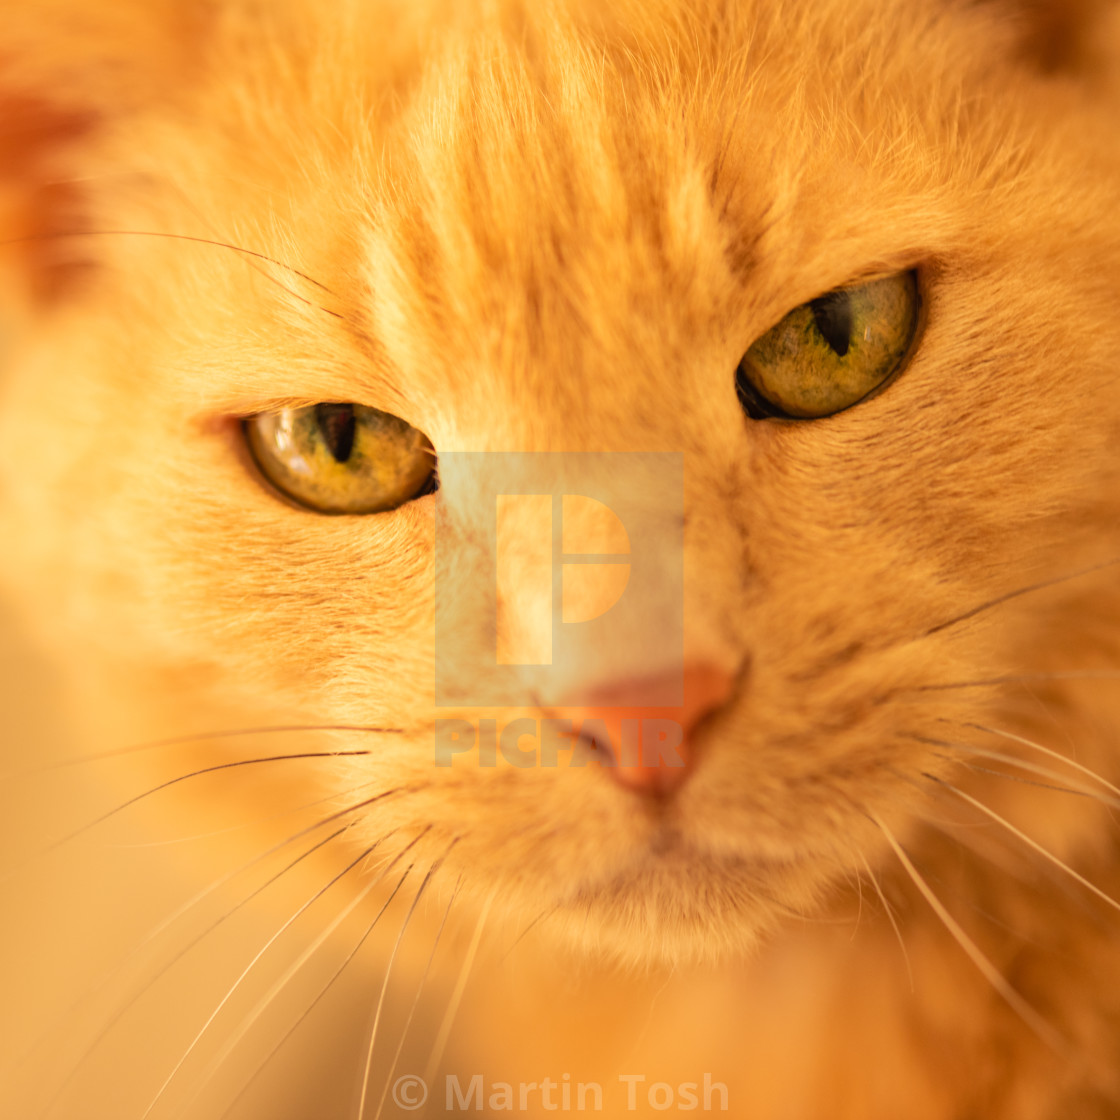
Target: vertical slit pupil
(833, 315)
(336, 422)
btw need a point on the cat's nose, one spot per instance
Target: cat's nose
(642, 742)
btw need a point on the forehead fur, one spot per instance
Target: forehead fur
(460, 174)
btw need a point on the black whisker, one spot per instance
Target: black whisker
(1048, 752)
(525, 932)
(999, 600)
(56, 234)
(1020, 678)
(186, 777)
(61, 234)
(955, 749)
(202, 737)
(1028, 781)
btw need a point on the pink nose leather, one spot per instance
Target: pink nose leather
(648, 741)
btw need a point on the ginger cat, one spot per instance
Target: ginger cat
(560, 557)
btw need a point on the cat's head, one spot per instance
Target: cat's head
(583, 258)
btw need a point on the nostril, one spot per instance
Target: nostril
(706, 689)
(641, 740)
(647, 755)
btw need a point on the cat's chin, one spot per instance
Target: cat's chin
(677, 903)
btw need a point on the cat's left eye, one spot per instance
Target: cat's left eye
(832, 352)
(342, 458)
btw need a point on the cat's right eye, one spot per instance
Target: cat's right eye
(341, 457)
(832, 352)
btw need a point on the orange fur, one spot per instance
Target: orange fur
(557, 227)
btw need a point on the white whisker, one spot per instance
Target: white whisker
(123, 1008)
(279, 985)
(1043, 772)
(322, 992)
(416, 1001)
(457, 995)
(115, 973)
(1014, 1000)
(1033, 767)
(890, 915)
(385, 987)
(859, 910)
(1052, 786)
(1032, 844)
(245, 972)
(1056, 755)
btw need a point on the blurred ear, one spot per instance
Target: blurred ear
(1071, 36)
(37, 203)
(69, 69)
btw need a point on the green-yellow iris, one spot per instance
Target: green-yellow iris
(341, 458)
(830, 353)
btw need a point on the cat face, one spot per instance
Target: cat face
(557, 237)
